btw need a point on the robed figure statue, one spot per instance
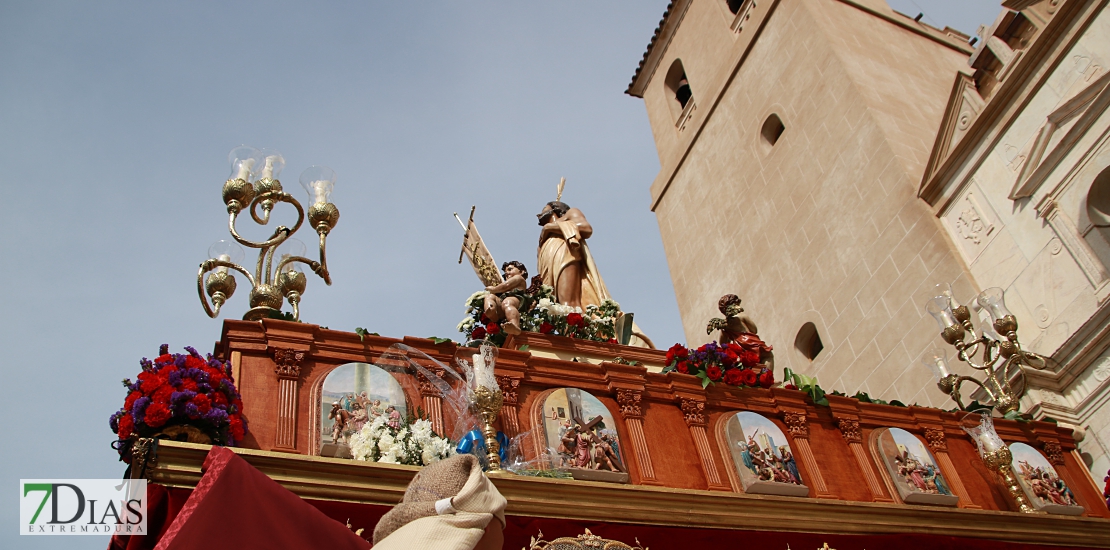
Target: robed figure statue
(564, 261)
(566, 265)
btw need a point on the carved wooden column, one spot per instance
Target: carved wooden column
(287, 366)
(629, 401)
(799, 431)
(510, 419)
(433, 401)
(694, 412)
(939, 445)
(849, 428)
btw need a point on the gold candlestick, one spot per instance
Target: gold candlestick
(999, 461)
(488, 403)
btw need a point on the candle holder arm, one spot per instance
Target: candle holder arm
(209, 265)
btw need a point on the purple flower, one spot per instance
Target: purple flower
(113, 421)
(138, 410)
(163, 349)
(193, 351)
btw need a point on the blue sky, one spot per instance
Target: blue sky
(115, 123)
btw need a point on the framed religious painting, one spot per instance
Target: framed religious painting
(761, 455)
(352, 396)
(581, 436)
(910, 468)
(1042, 485)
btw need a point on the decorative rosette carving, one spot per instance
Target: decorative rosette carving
(509, 387)
(287, 362)
(694, 411)
(629, 401)
(849, 428)
(427, 388)
(796, 423)
(936, 440)
(1055, 452)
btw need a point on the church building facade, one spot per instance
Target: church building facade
(832, 161)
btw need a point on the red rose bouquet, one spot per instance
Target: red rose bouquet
(732, 364)
(178, 389)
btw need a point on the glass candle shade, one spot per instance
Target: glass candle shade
(980, 426)
(228, 251)
(994, 301)
(244, 160)
(937, 361)
(941, 309)
(319, 182)
(271, 163)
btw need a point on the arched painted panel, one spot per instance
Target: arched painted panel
(911, 468)
(352, 395)
(581, 434)
(762, 456)
(1041, 483)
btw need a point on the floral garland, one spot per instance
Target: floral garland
(413, 443)
(545, 316)
(180, 389)
(713, 362)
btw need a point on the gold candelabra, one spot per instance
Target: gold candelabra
(997, 456)
(254, 185)
(485, 396)
(1003, 361)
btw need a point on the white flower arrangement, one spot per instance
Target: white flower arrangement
(415, 444)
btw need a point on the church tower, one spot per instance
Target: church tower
(793, 136)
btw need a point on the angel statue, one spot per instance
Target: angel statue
(505, 300)
(740, 329)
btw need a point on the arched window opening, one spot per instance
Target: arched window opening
(1098, 200)
(772, 130)
(678, 85)
(735, 5)
(808, 342)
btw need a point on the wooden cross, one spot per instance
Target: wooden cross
(587, 426)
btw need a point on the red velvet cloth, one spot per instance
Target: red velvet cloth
(237, 507)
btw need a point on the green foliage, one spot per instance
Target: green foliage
(437, 340)
(363, 333)
(863, 397)
(282, 316)
(554, 474)
(807, 384)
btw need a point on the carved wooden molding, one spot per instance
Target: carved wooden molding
(509, 387)
(935, 438)
(287, 362)
(427, 388)
(629, 401)
(849, 428)
(693, 411)
(796, 423)
(1054, 452)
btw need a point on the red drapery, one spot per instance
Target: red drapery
(237, 507)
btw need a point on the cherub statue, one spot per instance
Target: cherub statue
(504, 300)
(740, 329)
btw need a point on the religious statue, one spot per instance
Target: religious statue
(564, 259)
(341, 417)
(740, 329)
(504, 300)
(565, 263)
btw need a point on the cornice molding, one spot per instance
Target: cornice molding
(179, 465)
(1030, 73)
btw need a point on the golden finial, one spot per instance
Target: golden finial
(562, 184)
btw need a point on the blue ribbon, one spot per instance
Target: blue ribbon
(474, 439)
